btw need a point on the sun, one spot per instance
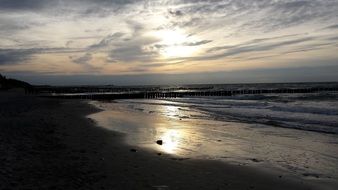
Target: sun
(177, 51)
(172, 37)
(173, 44)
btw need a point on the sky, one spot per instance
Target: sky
(126, 42)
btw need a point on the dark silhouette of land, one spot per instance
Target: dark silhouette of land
(7, 83)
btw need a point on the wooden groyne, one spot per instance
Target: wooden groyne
(179, 94)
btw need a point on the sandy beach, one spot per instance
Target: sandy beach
(51, 144)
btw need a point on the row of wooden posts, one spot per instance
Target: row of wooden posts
(162, 95)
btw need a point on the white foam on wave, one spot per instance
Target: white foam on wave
(301, 111)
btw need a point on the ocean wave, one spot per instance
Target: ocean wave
(319, 114)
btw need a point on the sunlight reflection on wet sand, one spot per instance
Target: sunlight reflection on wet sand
(171, 140)
(179, 137)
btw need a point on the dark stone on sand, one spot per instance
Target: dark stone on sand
(311, 175)
(50, 131)
(160, 154)
(159, 142)
(255, 160)
(82, 151)
(133, 150)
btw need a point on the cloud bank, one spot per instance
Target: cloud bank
(126, 37)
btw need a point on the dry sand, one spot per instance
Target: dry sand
(50, 144)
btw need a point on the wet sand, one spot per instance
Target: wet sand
(50, 144)
(187, 132)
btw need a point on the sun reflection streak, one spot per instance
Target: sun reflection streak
(171, 137)
(170, 111)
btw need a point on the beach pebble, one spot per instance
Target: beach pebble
(159, 142)
(83, 151)
(133, 150)
(255, 160)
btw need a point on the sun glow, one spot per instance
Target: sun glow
(172, 44)
(177, 51)
(172, 37)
